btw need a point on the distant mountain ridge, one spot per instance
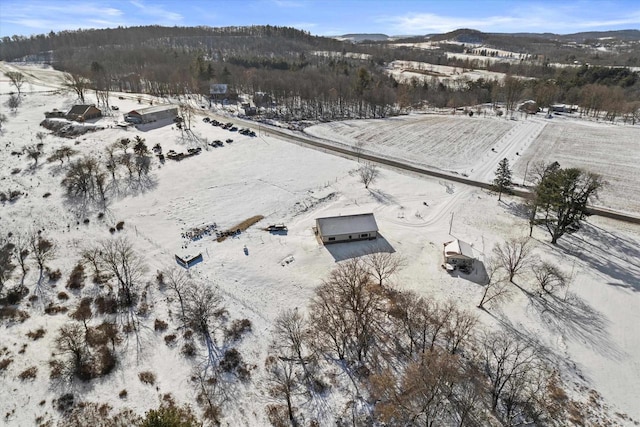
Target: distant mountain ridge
(466, 35)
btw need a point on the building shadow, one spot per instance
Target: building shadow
(347, 250)
(146, 127)
(476, 274)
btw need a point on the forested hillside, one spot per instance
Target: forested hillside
(300, 76)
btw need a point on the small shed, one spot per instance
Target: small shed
(458, 254)
(80, 113)
(188, 261)
(347, 228)
(152, 114)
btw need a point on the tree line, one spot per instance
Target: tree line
(280, 61)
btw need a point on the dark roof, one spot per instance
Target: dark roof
(80, 110)
(336, 225)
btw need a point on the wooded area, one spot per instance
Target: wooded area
(295, 81)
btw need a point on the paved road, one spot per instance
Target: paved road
(522, 136)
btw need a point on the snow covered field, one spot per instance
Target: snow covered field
(473, 146)
(590, 338)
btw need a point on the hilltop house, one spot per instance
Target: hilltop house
(346, 228)
(81, 113)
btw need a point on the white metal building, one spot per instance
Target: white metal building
(152, 114)
(347, 228)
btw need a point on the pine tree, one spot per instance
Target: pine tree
(502, 182)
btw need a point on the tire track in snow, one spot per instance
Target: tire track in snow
(515, 141)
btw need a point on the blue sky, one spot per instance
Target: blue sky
(325, 17)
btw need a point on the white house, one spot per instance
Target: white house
(347, 228)
(458, 254)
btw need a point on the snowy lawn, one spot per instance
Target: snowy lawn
(587, 330)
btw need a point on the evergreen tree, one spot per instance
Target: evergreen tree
(502, 182)
(562, 198)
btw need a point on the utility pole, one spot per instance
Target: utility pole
(451, 224)
(526, 169)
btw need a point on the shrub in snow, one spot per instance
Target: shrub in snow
(4, 363)
(147, 377)
(170, 339)
(160, 325)
(53, 275)
(29, 373)
(237, 328)
(76, 279)
(65, 402)
(106, 305)
(37, 334)
(12, 313)
(188, 350)
(120, 225)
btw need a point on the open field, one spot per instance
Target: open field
(610, 150)
(464, 145)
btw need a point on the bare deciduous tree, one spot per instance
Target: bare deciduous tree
(118, 257)
(513, 255)
(383, 265)
(34, 153)
(16, 78)
(459, 329)
(496, 289)
(203, 307)
(292, 343)
(6, 261)
(43, 250)
(368, 173)
(517, 376)
(346, 311)
(77, 84)
(72, 341)
(421, 394)
(549, 277)
(283, 385)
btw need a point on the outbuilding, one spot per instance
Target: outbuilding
(458, 254)
(152, 114)
(80, 113)
(346, 228)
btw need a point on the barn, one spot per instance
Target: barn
(346, 228)
(152, 114)
(80, 113)
(458, 254)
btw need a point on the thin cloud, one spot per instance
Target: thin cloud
(560, 19)
(432, 23)
(45, 17)
(288, 3)
(157, 11)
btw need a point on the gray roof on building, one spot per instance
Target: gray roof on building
(154, 109)
(80, 109)
(337, 225)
